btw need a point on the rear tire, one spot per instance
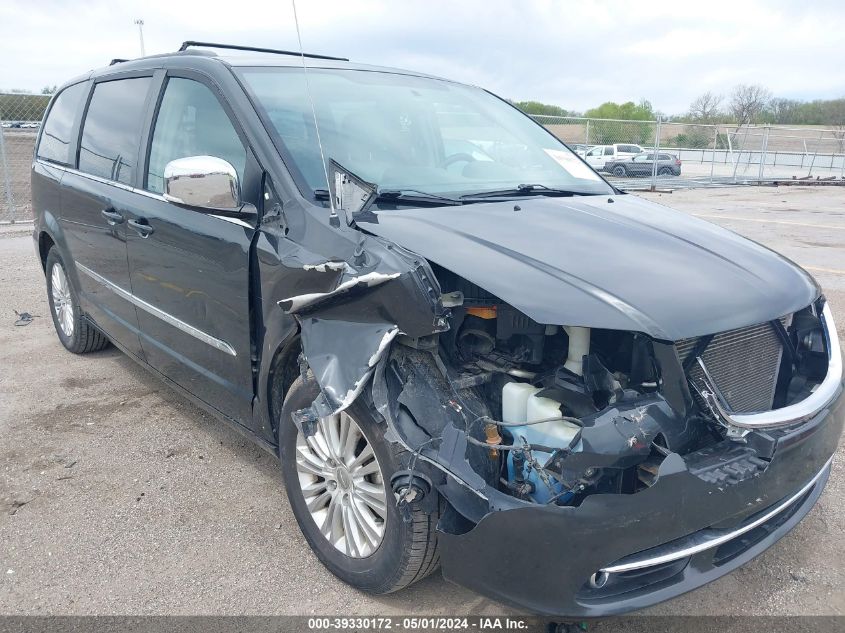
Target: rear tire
(75, 332)
(665, 171)
(406, 551)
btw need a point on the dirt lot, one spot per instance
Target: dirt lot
(119, 497)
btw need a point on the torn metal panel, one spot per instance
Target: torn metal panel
(330, 266)
(351, 313)
(293, 305)
(341, 356)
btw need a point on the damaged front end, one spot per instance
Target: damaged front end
(586, 471)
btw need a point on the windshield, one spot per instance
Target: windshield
(413, 133)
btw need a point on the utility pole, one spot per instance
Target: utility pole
(140, 24)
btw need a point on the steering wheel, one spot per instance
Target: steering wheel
(457, 158)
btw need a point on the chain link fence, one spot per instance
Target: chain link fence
(700, 155)
(20, 118)
(688, 154)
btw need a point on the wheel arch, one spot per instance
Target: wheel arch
(50, 234)
(45, 243)
(283, 369)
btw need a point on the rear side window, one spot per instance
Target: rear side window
(55, 138)
(191, 122)
(608, 151)
(112, 130)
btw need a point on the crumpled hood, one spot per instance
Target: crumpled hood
(617, 262)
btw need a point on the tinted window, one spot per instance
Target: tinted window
(608, 151)
(112, 130)
(191, 122)
(55, 139)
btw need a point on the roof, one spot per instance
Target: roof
(202, 56)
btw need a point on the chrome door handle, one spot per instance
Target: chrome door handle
(141, 227)
(112, 216)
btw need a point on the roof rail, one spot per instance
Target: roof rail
(235, 47)
(117, 60)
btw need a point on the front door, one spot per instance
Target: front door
(189, 268)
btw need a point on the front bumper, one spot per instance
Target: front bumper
(542, 558)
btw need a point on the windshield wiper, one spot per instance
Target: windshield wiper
(524, 190)
(414, 196)
(403, 196)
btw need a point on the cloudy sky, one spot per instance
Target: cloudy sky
(573, 53)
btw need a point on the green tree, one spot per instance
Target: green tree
(628, 111)
(536, 107)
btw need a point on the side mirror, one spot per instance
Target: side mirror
(206, 182)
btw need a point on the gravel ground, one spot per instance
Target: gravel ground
(119, 497)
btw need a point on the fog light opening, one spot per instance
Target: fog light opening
(599, 579)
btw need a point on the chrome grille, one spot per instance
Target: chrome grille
(743, 363)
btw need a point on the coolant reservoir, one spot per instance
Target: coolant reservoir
(515, 401)
(559, 433)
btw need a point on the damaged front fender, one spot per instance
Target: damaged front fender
(347, 322)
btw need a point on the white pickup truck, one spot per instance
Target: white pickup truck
(598, 156)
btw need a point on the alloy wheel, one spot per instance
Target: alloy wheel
(343, 486)
(62, 299)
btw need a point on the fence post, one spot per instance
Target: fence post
(763, 154)
(587, 138)
(655, 155)
(713, 152)
(815, 153)
(735, 163)
(842, 166)
(7, 183)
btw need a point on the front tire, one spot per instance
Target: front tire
(74, 332)
(338, 484)
(619, 171)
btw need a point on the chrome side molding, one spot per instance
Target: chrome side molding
(223, 346)
(794, 413)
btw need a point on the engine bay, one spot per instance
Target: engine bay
(555, 413)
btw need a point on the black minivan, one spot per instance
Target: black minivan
(467, 349)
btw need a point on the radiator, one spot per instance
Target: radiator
(743, 363)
